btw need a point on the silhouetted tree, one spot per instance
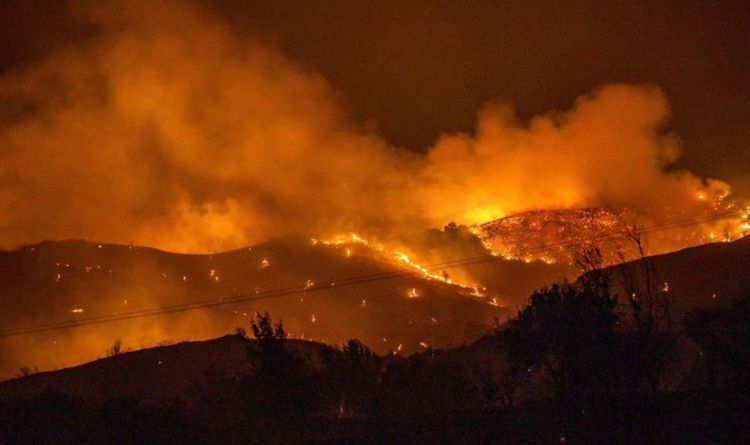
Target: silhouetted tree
(283, 390)
(568, 333)
(26, 371)
(265, 331)
(115, 349)
(650, 341)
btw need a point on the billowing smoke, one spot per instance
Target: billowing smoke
(167, 130)
(609, 150)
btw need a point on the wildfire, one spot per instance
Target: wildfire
(423, 270)
(561, 236)
(347, 239)
(403, 258)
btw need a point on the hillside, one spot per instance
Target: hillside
(62, 281)
(704, 276)
(211, 391)
(67, 281)
(151, 375)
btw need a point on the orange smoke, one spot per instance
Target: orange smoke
(167, 130)
(609, 150)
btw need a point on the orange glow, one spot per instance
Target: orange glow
(201, 138)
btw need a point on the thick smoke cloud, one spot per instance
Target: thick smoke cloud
(608, 150)
(167, 130)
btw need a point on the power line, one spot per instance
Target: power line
(352, 281)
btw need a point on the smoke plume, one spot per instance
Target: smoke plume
(166, 129)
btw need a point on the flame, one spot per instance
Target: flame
(353, 238)
(403, 259)
(561, 235)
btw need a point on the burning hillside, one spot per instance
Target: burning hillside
(562, 235)
(550, 235)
